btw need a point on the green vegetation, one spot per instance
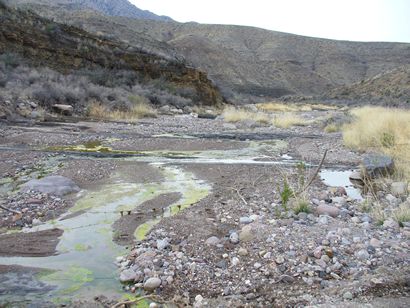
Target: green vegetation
(302, 206)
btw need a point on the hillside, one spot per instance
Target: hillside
(392, 87)
(107, 7)
(55, 63)
(248, 62)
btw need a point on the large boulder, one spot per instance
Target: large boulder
(54, 185)
(375, 165)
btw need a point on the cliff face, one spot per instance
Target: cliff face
(66, 48)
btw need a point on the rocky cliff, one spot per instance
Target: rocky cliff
(66, 48)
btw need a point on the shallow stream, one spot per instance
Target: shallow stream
(84, 265)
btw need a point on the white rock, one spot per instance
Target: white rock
(235, 261)
(234, 238)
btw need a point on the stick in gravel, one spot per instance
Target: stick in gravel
(9, 210)
(239, 194)
(314, 174)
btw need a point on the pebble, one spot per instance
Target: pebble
(162, 244)
(323, 220)
(246, 234)
(280, 260)
(257, 265)
(348, 295)
(362, 254)
(324, 209)
(235, 261)
(212, 241)
(234, 238)
(245, 220)
(242, 251)
(375, 243)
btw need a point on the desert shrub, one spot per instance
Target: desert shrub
(11, 60)
(384, 130)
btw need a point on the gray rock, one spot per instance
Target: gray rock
(391, 223)
(375, 243)
(392, 199)
(348, 295)
(356, 178)
(165, 109)
(323, 220)
(399, 188)
(375, 165)
(246, 234)
(362, 255)
(324, 209)
(212, 241)
(229, 126)
(286, 279)
(128, 275)
(162, 244)
(279, 260)
(242, 252)
(152, 283)
(340, 200)
(245, 220)
(54, 185)
(63, 109)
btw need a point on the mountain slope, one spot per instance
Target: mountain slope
(66, 49)
(392, 87)
(245, 62)
(108, 7)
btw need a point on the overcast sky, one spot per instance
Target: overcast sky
(356, 20)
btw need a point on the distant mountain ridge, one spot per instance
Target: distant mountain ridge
(108, 7)
(246, 63)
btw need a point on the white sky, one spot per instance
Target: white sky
(356, 20)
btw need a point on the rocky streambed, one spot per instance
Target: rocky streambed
(194, 212)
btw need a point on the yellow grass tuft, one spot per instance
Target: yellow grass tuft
(383, 130)
(332, 128)
(287, 120)
(232, 114)
(292, 107)
(137, 111)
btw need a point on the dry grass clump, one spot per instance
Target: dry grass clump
(384, 130)
(232, 114)
(332, 128)
(402, 214)
(137, 111)
(292, 107)
(287, 120)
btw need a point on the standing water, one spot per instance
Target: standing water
(84, 265)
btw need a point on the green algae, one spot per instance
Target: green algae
(73, 278)
(81, 247)
(142, 230)
(91, 144)
(140, 303)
